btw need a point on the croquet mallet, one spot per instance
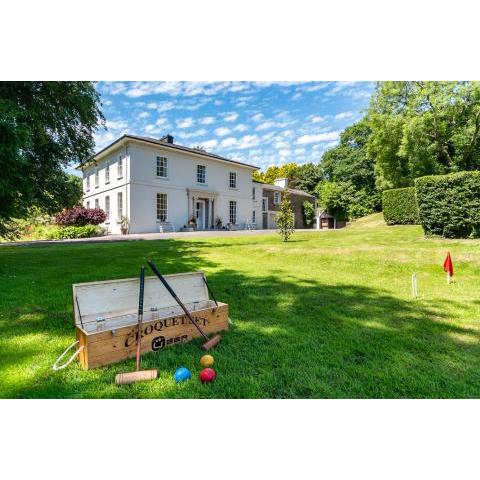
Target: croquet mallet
(138, 375)
(209, 342)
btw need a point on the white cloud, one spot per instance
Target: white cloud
(318, 118)
(185, 123)
(231, 117)
(152, 128)
(222, 131)
(265, 125)
(103, 139)
(320, 137)
(207, 120)
(229, 142)
(116, 124)
(241, 127)
(161, 121)
(267, 137)
(143, 114)
(343, 115)
(285, 152)
(210, 143)
(296, 96)
(280, 144)
(248, 141)
(257, 117)
(197, 133)
(164, 106)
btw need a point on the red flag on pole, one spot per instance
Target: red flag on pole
(448, 265)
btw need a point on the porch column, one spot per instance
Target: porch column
(213, 217)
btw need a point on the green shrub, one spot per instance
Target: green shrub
(449, 205)
(400, 206)
(308, 212)
(86, 231)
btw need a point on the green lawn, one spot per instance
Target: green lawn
(328, 314)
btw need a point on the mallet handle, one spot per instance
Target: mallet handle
(174, 295)
(140, 314)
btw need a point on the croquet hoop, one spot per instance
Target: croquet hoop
(70, 360)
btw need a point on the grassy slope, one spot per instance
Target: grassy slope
(328, 314)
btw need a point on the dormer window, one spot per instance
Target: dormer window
(162, 167)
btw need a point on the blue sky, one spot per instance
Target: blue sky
(261, 123)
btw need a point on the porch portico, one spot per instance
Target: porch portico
(201, 205)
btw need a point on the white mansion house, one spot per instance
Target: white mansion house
(158, 184)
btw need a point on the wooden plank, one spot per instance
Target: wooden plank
(111, 298)
(156, 336)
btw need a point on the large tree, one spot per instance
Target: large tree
(289, 170)
(421, 128)
(348, 188)
(44, 126)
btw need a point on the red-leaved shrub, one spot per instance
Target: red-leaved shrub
(79, 216)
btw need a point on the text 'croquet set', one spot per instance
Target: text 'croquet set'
(107, 317)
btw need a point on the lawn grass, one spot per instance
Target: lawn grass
(327, 315)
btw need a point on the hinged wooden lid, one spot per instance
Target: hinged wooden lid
(118, 297)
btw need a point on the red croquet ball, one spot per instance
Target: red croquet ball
(207, 375)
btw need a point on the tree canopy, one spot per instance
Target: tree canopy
(410, 129)
(44, 126)
(423, 128)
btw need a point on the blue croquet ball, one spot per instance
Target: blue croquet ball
(181, 374)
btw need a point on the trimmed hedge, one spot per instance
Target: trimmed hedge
(449, 205)
(399, 206)
(85, 231)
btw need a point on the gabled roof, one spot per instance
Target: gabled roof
(163, 144)
(295, 191)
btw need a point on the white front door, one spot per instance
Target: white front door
(200, 214)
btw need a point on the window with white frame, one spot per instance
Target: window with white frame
(162, 167)
(201, 174)
(88, 183)
(120, 166)
(233, 180)
(88, 204)
(97, 179)
(233, 212)
(253, 216)
(162, 207)
(253, 193)
(97, 203)
(107, 208)
(276, 198)
(107, 174)
(264, 204)
(119, 205)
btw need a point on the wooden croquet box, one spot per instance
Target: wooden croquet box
(106, 316)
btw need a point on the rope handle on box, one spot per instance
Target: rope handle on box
(70, 360)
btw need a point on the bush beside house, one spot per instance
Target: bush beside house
(400, 206)
(449, 205)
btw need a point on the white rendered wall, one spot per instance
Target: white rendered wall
(111, 188)
(182, 174)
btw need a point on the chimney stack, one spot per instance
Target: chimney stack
(281, 182)
(167, 138)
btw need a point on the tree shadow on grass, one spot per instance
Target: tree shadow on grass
(291, 338)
